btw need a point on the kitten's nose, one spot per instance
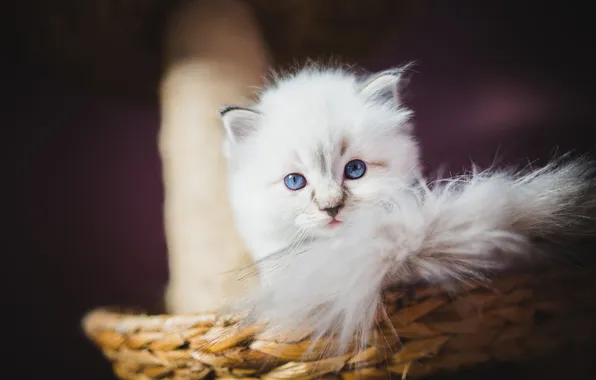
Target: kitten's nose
(333, 211)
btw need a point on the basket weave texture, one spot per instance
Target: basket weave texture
(438, 330)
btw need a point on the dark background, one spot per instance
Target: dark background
(85, 221)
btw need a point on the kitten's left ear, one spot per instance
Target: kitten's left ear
(239, 122)
(385, 85)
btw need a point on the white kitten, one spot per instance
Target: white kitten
(327, 192)
(310, 126)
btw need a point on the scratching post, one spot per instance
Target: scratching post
(214, 56)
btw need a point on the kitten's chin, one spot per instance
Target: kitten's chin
(334, 224)
(331, 228)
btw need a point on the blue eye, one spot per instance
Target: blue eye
(355, 169)
(295, 181)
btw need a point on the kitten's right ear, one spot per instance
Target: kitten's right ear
(239, 122)
(385, 85)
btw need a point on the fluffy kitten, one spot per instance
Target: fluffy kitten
(327, 192)
(312, 124)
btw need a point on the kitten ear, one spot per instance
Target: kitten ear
(385, 86)
(239, 122)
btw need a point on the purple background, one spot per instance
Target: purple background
(87, 229)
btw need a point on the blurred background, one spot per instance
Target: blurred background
(507, 79)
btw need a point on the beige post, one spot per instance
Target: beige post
(214, 56)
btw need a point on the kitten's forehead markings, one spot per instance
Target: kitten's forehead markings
(343, 146)
(320, 160)
(379, 164)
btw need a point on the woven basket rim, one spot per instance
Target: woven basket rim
(437, 332)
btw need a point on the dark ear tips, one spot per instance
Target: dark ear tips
(239, 122)
(227, 108)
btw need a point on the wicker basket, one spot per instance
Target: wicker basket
(513, 318)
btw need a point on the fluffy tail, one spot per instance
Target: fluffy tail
(484, 220)
(457, 229)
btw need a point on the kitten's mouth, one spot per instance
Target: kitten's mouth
(333, 223)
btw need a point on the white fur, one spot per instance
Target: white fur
(313, 110)
(396, 227)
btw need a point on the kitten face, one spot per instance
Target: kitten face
(318, 148)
